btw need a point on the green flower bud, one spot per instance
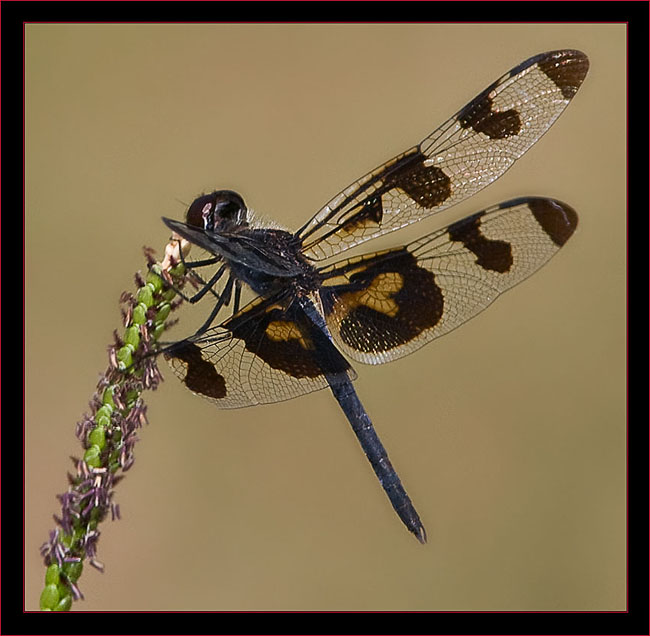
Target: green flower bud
(49, 597)
(132, 336)
(64, 604)
(107, 397)
(102, 421)
(92, 456)
(52, 574)
(154, 279)
(97, 437)
(105, 410)
(177, 270)
(158, 330)
(139, 314)
(145, 295)
(125, 356)
(163, 312)
(169, 295)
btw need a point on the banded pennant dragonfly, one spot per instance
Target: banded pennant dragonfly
(309, 317)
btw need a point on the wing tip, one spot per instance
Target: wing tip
(559, 220)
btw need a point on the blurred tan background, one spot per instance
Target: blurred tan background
(509, 433)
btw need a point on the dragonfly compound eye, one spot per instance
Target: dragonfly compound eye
(209, 210)
(200, 213)
(229, 206)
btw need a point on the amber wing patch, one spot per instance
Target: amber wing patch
(281, 339)
(268, 352)
(383, 306)
(387, 301)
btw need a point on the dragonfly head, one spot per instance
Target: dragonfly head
(222, 209)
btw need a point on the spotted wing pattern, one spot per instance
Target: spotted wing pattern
(475, 147)
(382, 306)
(267, 352)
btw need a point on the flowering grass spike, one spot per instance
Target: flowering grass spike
(109, 433)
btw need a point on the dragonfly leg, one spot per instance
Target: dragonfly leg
(224, 299)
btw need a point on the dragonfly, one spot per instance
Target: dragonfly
(310, 316)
